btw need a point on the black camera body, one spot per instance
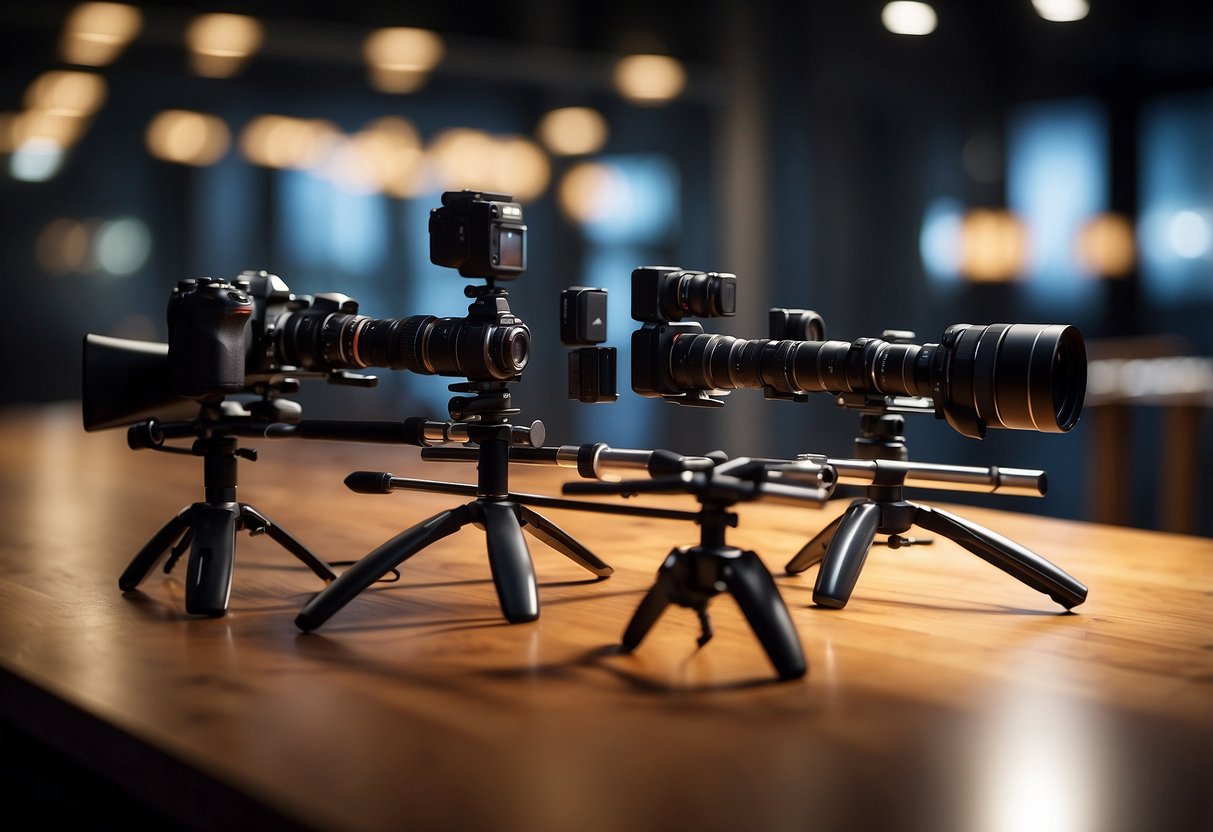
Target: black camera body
(661, 297)
(207, 324)
(670, 293)
(228, 337)
(480, 234)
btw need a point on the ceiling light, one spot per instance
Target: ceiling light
(96, 33)
(400, 59)
(573, 131)
(649, 79)
(905, 17)
(220, 44)
(1062, 11)
(188, 138)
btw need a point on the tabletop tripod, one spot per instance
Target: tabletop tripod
(691, 576)
(842, 547)
(208, 528)
(481, 419)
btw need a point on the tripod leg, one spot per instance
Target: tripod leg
(256, 522)
(1010, 557)
(845, 556)
(813, 551)
(751, 584)
(151, 552)
(372, 566)
(556, 537)
(208, 573)
(652, 606)
(510, 560)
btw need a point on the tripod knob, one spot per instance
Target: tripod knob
(533, 436)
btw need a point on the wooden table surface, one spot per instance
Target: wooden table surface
(946, 695)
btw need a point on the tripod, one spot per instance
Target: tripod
(691, 576)
(494, 508)
(208, 528)
(842, 547)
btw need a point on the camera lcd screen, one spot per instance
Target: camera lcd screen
(509, 248)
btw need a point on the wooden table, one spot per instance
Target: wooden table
(946, 695)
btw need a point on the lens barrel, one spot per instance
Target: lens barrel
(424, 344)
(699, 294)
(1013, 376)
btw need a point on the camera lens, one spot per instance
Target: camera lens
(478, 350)
(1020, 376)
(699, 294)
(1014, 376)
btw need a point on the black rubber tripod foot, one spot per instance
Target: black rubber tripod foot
(208, 530)
(509, 560)
(691, 575)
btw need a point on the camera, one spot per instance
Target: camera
(480, 234)
(669, 293)
(1013, 376)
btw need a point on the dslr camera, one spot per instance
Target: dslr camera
(661, 297)
(480, 234)
(1014, 376)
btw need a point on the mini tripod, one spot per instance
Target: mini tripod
(208, 528)
(691, 576)
(495, 508)
(842, 547)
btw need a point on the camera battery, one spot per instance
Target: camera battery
(592, 375)
(583, 316)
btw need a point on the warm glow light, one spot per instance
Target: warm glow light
(463, 158)
(1062, 11)
(284, 142)
(649, 79)
(66, 93)
(466, 158)
(220, 44)
(62, 246)
(520, 168)
(8, 132)
(587, 192)
(904, 17)
(385, 156)
(400, 59)
(1105, 245)
(573, 131)
(48, 127)
(96, 33)
(187, 138)
(993, 245)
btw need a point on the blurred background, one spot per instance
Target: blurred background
(889, 165)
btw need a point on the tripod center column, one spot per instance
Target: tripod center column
(493, 469)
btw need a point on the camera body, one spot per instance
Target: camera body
(226, 337)
(670, 293)
(661, 297)
(480, 234)
(207, 325)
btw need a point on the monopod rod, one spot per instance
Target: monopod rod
(1023, 482)
(593, 460)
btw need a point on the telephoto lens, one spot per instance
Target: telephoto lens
(669, 293)
(494, 348)
(1013, 376)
